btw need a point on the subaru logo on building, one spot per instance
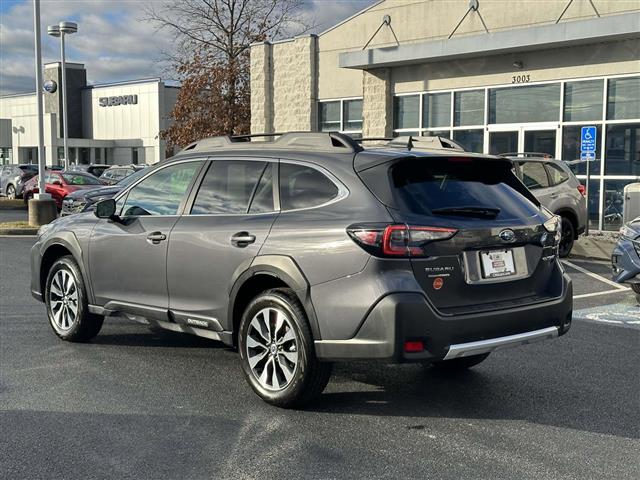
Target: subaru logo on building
(507, 235)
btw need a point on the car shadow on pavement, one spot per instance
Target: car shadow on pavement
(480, 394)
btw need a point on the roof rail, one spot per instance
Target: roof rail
(324, 141)
(425, 143)
(526, 154)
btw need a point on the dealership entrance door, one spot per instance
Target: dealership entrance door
(512, 139)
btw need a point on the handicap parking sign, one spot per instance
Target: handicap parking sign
(588, 139)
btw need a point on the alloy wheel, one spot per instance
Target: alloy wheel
(272, 349)
(63, 299)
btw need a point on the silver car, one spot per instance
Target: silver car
(13, 178)
(556, 187)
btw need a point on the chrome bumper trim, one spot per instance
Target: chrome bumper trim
(484, 346)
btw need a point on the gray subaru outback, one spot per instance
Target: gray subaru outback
(311, 249)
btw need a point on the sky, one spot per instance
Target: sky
(113, 40)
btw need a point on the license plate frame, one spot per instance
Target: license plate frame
(497, 264)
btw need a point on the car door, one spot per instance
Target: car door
(54, 185)
(4, 179)
(535, 178)
(127, 256)
(230, 218)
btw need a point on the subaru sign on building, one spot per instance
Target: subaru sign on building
(498, 76)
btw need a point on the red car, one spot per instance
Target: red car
(60, 184)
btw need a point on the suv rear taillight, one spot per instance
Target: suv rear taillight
(397, 240)
(583, 190)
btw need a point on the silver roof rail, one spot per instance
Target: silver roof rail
(425, 143)
(321, 141)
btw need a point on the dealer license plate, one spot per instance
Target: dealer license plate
(497, 263)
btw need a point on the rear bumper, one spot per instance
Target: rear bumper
(401, 317)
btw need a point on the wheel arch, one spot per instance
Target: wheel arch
(66, 244)
(572, 217)
(267, 272)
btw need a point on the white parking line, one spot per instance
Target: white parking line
(595, 275)
(606, 292)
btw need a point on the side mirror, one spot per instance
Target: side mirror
(106, 208)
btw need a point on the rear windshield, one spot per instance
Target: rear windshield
(28, 168)
(436, 186)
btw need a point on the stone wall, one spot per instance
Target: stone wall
(377, 103)
(284, 86)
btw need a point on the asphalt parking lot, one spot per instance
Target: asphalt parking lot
(141, 404)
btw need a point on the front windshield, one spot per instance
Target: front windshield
(80, 179)
(132, 178)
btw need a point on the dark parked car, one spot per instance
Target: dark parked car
(86, 199)
(60, 184)
(310, 249)
(557, 188)
(115, 173)
(14, 177)
(95, 169)
(625, 258)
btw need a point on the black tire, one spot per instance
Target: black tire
(11, 192)
(458, 364)
(310, 376)
(636, 287)
(26, 197)
(84, 325)
(567, 238)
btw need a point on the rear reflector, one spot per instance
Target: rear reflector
(414, 346)
(583, 190)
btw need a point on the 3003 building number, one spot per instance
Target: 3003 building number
(521, 78)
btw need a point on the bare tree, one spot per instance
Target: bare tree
(212, 41)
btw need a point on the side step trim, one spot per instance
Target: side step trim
(483, 346)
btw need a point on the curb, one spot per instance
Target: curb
(19, 231)
(3, 207)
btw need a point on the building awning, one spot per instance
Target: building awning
(565, 34)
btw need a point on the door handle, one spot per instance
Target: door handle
(156, 237)
(242, 239)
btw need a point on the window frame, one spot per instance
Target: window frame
(342, 122)
(544, 169)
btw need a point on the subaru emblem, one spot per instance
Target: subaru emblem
(507, 235)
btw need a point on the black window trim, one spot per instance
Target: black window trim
(546, 172)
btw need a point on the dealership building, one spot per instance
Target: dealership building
(114, 123)
(497, 76)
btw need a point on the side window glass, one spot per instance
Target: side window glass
(534, 175)
(162, 192)
(227, 187)
(263, 198)
(556, 174)
(304, 187)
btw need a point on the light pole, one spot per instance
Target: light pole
(60, 30)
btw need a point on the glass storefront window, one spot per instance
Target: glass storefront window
(413, 133)
(436, 110)
(406, 111)
(329, 116)
(437, 133)
(583, 101)
(469, 108)
(623, 100)
(613, 203)
(503, 142)
(623, 149)
(352, 111)
(540, 141)
(593, 202)
(471, 140)
(534, 103)
(571, 149)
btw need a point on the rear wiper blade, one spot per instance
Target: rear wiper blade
(483, 212)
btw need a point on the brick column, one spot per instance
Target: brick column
(377, 103)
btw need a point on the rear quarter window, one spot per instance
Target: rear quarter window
(304, 187)
(534, 175)
(556, 174)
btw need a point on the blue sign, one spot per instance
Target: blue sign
(588, 139)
